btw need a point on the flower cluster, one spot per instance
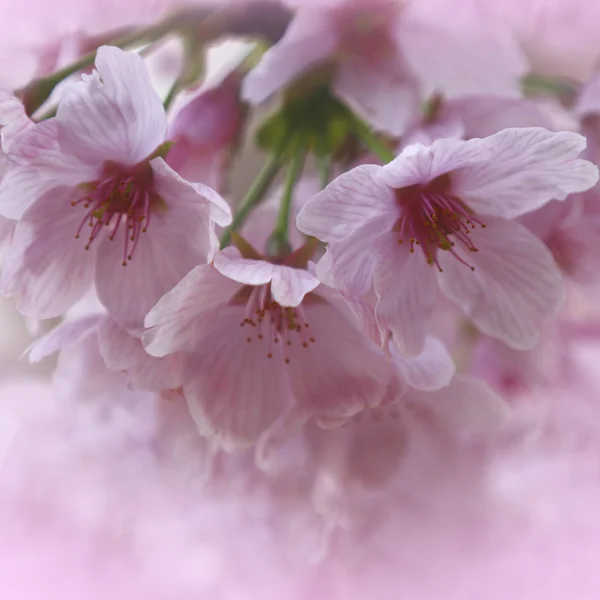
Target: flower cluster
(391, 318)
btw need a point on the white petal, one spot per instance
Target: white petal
(348, 202)
(515, 287)
(528, 167)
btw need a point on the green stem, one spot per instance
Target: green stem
(324, 168)
(279, 239)
(39, 90)
(255, 195)
(371, 141)
(172, 93)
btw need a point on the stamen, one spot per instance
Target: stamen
(275, 324)
(433, 219)
(121, 202)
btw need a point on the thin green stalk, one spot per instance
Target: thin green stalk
(254, 197)
(172, 93)
(324, 169)
(372, 142)
(279, 239)
(39, 90)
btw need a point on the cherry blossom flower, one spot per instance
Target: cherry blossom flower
(387, 54)
(440, 215)
(97, 203)
(263, 340)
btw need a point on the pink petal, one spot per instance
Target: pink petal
(467, 407)
(63, 335)
(113, 114)
(432, 370)
(407, 293)
(35, 165)
(348, 265)
(515, 287)
(380, 90)
(348, 202)
(230, 263)
(220, 211)
(341, 372)
(176, 320)
(482, 116)
(364, 314)
(309, 39)
(588, 101)
(178, 239)
(13, 118)
(528, 167)
(234, 392)
(123, 352)
(289, 286)
(418, 164)
(46, 267)
(458, 52)
(7, 228)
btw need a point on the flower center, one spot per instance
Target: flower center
(433, 219)
(274, 325)
(122, 200)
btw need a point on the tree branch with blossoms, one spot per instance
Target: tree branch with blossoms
(390, 310)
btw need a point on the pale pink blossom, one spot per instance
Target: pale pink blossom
(440, 215)
(13, 122)
(263, 340)
(120, 351)
(570, 230)
(558, 37)
(387, 54)
(97, 204)
(480, 116)
(206, 129)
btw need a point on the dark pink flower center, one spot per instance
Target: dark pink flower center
(271, 324)
(123, 199)
(434, 219)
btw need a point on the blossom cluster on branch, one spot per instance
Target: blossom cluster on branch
(368, 368)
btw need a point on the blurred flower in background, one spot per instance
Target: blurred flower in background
(299, 299)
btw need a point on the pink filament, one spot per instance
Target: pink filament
(115, 201)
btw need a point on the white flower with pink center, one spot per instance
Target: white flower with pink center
(264, 341)
(98, 205)
(441, 215)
